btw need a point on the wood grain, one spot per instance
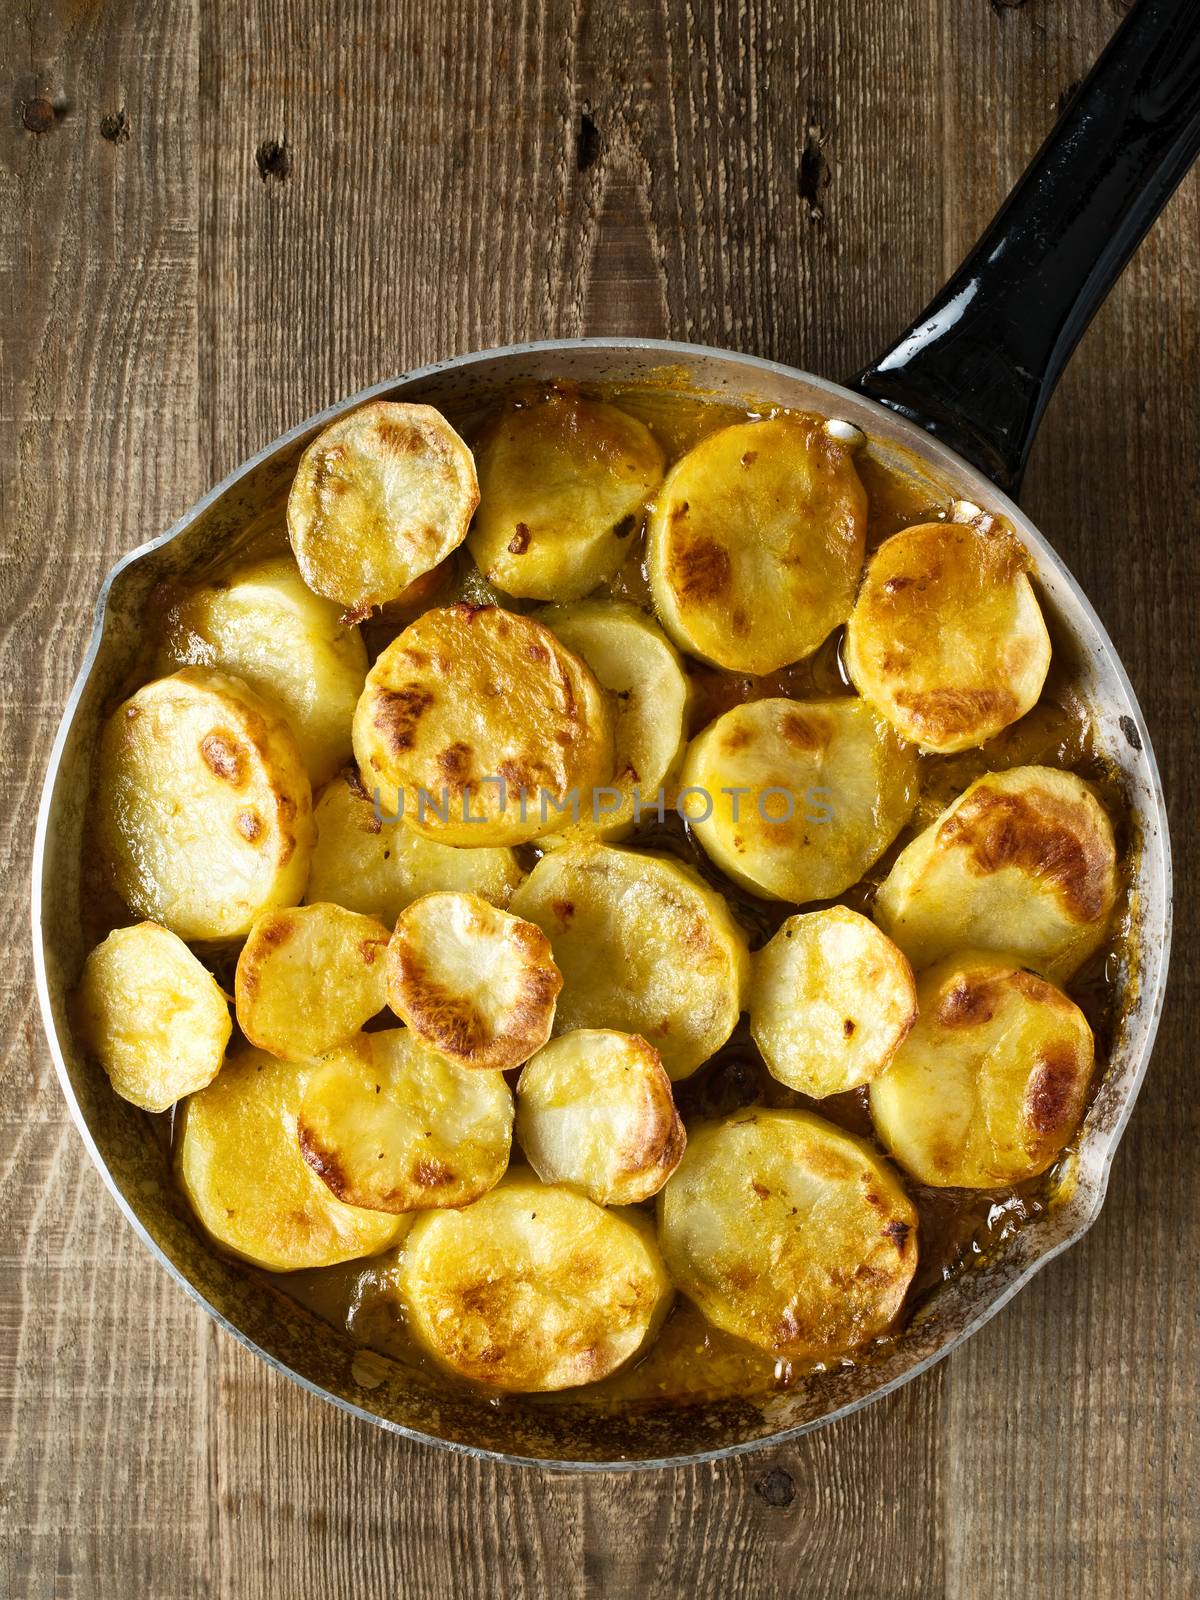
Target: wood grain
(304, 197)
(102, 1364)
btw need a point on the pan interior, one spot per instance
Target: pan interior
(576, 1430)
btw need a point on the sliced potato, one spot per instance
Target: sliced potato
(532, 1288)
(392, 1126)
(309, 977)
(643, 946)
(479, 726)
(472, 982)
(239, 1163)
(561, 481)
(755, 543)
(1023, 861)
(203, 807)
(152, 1016)
(831, 1000)
(265, 625)
(946, 637)
(789, 1233)
(379, 498)
(367, 860)
(796, 799)
(636, 663)
(436, 587)
(595, 1112)
(991, 1083)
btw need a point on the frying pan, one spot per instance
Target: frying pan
(958, 398)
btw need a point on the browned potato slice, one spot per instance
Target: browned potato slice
(595, 1112)
(796, 799)
(152, 1016)
(239, 1164)
(532, 1288)
(309, 977)
(755, 543)
(380, 497)
(392, 1126)
(643, 945)
(788, 1233)
(1023, 861)
(203, 807)
(830, 1002)
(264, 624)
(946, 637)
(561, 481)
(472, 982)
(366, 861)
(639, 667)
(467, 709)
(991, 1083)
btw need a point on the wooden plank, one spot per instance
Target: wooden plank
(102, 1361)
(1071, 1434)
(374, 245)
(415, 210)
(632, 169)
(732, 145)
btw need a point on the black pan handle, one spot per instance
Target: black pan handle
(979, 364)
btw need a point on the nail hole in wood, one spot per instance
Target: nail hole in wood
(816, 174)
(272, 160)
(587, 143)
(115, 127)
(777, 1488)
(38, 115)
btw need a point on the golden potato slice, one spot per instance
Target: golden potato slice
(309, 977)
(562, 481)
(946, 637)
(472, 982)
(265, 625)
(379, 498)
(755, 543)
(991, 1082)
(643, 946)
(595, 1112)
(203, 807)
(1023, 861)
(831, 1000)
(479, 726)
(392, 1126)
(367, 861)
(532, 1288)
(796, 799)
(239, 1164)
(639, 667)
(789, 1233)
(152, 1016)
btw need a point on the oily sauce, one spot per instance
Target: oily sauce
(957, 1228)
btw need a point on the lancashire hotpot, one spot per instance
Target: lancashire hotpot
(956, 401)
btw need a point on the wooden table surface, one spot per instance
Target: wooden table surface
(218, 218)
